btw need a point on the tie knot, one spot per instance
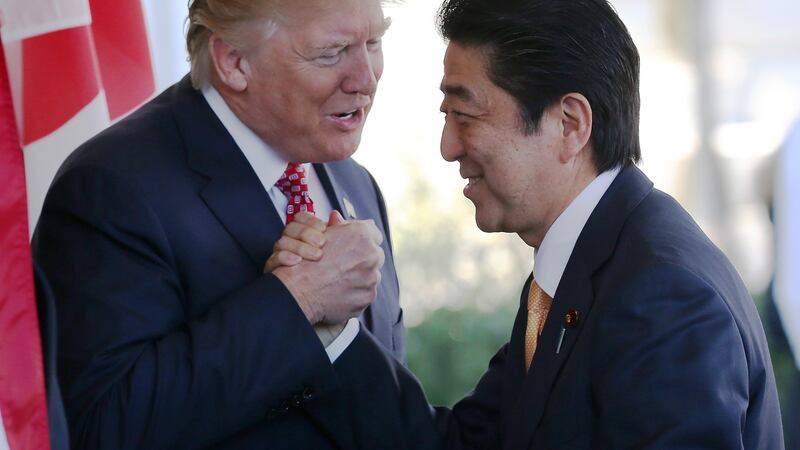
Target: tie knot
(294, 185)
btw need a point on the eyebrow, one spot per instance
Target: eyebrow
(330, 45)
(458, 91)
(387, 22)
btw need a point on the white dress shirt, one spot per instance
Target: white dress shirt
(553, 254)
(269, 166)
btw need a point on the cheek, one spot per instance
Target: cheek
(472, 140)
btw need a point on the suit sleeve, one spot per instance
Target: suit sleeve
(45, 307)
(380, 391)
(474, 422)
(669, 366)
(138, 371)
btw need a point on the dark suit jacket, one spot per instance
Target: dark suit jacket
(668, 351)
(154, 235)
(45, 307)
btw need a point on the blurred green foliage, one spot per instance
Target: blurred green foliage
(787, 375)
(451, 349)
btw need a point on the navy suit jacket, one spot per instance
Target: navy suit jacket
(154, 235)
(668, 351)
(45, 307)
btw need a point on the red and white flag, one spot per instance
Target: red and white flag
(69, 68)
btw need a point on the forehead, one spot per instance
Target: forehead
(465, 75)
(324, 18)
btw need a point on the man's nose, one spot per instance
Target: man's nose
(363, 75)
(451, 147)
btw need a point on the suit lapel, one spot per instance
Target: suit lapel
(232, 191)
(514, 376)
(332, 188)
(334, 182)
(515, 370)
(575, 292)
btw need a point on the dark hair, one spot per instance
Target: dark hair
(540, 50)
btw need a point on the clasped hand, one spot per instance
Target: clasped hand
(332, 269)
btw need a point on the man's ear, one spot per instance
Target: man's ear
(576, 124)
(227, 63)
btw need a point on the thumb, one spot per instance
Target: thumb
(335, 218)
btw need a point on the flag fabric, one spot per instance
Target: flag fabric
(787, 237)
(68, 68)
(22, 395)
(75, 66)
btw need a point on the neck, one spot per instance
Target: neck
(582, 175)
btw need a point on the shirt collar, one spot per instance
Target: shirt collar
(267, 163)
(559, 241)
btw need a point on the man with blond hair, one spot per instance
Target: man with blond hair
(155, 235)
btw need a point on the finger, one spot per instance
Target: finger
(287, 259)
(302, 249)
(281, 259)
(375, 259)
(374, 233)
(310, 220)
(335, 218)
(381, 258)
(305, 233)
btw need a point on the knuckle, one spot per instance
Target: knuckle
(307, 234)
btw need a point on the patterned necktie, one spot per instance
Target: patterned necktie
(294, 186)
(539, 304)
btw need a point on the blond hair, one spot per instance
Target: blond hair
(229, 19)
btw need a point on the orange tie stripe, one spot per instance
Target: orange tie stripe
(539, 304)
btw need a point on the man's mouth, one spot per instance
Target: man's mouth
(473, 180)
(349, 120)
(346, 115)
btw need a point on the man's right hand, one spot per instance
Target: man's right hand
(344, 280)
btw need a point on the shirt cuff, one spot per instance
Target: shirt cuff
(345, 338)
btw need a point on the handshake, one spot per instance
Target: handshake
(336, 284)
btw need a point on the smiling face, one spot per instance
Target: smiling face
(310, 85)
(518, 182)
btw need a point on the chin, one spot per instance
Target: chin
(343, 147)
(334, 151)
(486, 225)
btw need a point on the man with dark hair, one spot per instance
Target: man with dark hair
(634, 330)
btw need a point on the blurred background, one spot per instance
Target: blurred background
(720, 90)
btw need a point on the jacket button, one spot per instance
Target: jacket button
(308, 393)
(297, 400)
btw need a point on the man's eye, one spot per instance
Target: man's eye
(331, 57)
(328, 59)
